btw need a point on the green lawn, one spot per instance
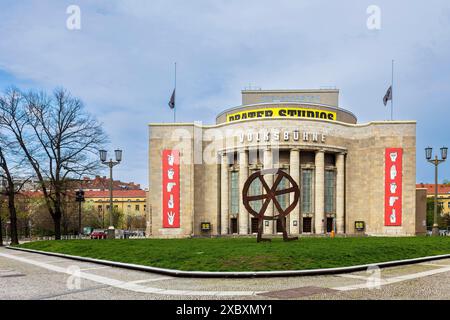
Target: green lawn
(244, 254)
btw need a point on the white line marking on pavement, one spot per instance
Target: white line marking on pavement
(435, 265)
(17, 252)
(151, 280)
(352, 276)
(54, 261)
(392, 280)
(95, 268)
(128, 285)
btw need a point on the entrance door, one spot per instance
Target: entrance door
(234, 225)
(329, 224)
(279, 227)
(254, 225)
(307, 225)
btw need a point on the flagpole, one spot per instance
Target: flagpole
(392, 92)
(175, 96)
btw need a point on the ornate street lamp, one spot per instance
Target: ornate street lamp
(118, 154)
(428, 152)
(436, 161)
(103, 154)
(444, 153)
(110, 164)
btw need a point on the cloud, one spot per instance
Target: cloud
(121, 61)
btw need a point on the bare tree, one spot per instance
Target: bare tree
(13, 176)
(1, 224)
(8, 189)
(58, 138)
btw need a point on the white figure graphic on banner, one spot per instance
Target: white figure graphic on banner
(393, 187)
(393, 217)
(393, 172)
(170, 203)
(170, 174)
(170, 159)
(392, 201)
(393, 156)
(170, 218)
(170, 186)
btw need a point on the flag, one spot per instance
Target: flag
(387, 96)
(172, 100)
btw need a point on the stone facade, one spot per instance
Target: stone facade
(354, 153)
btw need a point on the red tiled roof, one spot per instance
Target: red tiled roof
(442, 188)
(95, 194)
(31, 194)
(116, 194)
(102, 183)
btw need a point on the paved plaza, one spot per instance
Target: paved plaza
(25, 275)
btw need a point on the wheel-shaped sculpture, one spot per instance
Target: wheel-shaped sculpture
(269, 195)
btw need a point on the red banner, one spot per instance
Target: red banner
(171, 188)
(393, 187)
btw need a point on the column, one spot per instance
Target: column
(294, 171)
(243, 176)
(340, 191)
(268, 164)
(224, 194)
(319, 211)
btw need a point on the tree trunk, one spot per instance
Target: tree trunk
(58, 214)
(57, 222)
(28, 229)
(13, 218)
(64, 223)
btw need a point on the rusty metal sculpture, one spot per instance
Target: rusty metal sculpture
(269, 196)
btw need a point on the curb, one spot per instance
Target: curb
(231, 274)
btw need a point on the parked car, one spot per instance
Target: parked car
(98, 234)
(87, 231)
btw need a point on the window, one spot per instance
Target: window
(306, 195)
(234, 192)
(100, 208)
(136, 207)
(283, 199)
(256, 189)
(330, 191)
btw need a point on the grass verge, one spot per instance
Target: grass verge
(244, 254)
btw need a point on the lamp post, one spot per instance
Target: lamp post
(110, 164)
(79, 197)
(8, 223)
(436, 161)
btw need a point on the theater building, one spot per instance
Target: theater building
(354, 178)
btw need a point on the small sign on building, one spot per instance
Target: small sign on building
(360, 226)
(205, 226)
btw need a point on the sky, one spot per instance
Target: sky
(121, 61)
